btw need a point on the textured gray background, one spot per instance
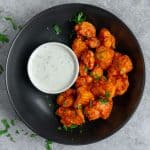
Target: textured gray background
(135, 135)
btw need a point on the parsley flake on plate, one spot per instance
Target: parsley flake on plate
(13, 23)
(103, 101)
(4, 38)
(79, 17)
(57, 29)
(1, 69)
(48, 145)
(107, 94)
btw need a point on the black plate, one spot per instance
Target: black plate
(32, 106)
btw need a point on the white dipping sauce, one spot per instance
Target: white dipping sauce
(53, 67)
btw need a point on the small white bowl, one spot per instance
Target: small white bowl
(53, 67)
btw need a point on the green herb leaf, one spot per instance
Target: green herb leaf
(86, 69)
(3, 132)
(33, 135)
(13, 23)
(12, 122)
(65, 128)
(5, 123)
(1, 69)
(48, 145)
(107, 94)
(59, 128)
(64, 104)
(56, 29)
(17, 132)
(79, 17)
(96, 77)
(4, 38)
(79, 106)
(103, 101)
(10, 137)
(73, 126)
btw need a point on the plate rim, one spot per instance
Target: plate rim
(26, 25)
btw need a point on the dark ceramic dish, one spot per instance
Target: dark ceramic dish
(32, 105)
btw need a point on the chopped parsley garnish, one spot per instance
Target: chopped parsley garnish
(65, 128)
(103, 101)
(79, 106)
(5, 123)
(57, 29)
(95, 76)
(3, 38)
(59, 128)
(3, 132)
(17, 132)
(10, 137)
(12, 122)
(73, 126)
(65, 103)
(79, 17)
(33, 135)
(107, 94)
(86, 69)
(48, 145)
(13, 23)
(1, 69)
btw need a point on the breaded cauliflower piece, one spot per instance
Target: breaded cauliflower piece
(99, 109)
(104, 57)
(88, 59)
(67, 98)
(70, 116)
(79, 46)
(106, 38)
(84, 95)
(85, 29)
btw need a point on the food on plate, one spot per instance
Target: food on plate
(79, 46)
(66, 99)
(92, 42)
(121, 64)
(85, 30)
(106, 38)
(88, 59)
(70, 116)
(83, 80)
(100, 108)
(104, 56)
(103, 74)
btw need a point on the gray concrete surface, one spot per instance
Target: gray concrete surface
(135, 134)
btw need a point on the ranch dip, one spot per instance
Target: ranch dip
(53, 67)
